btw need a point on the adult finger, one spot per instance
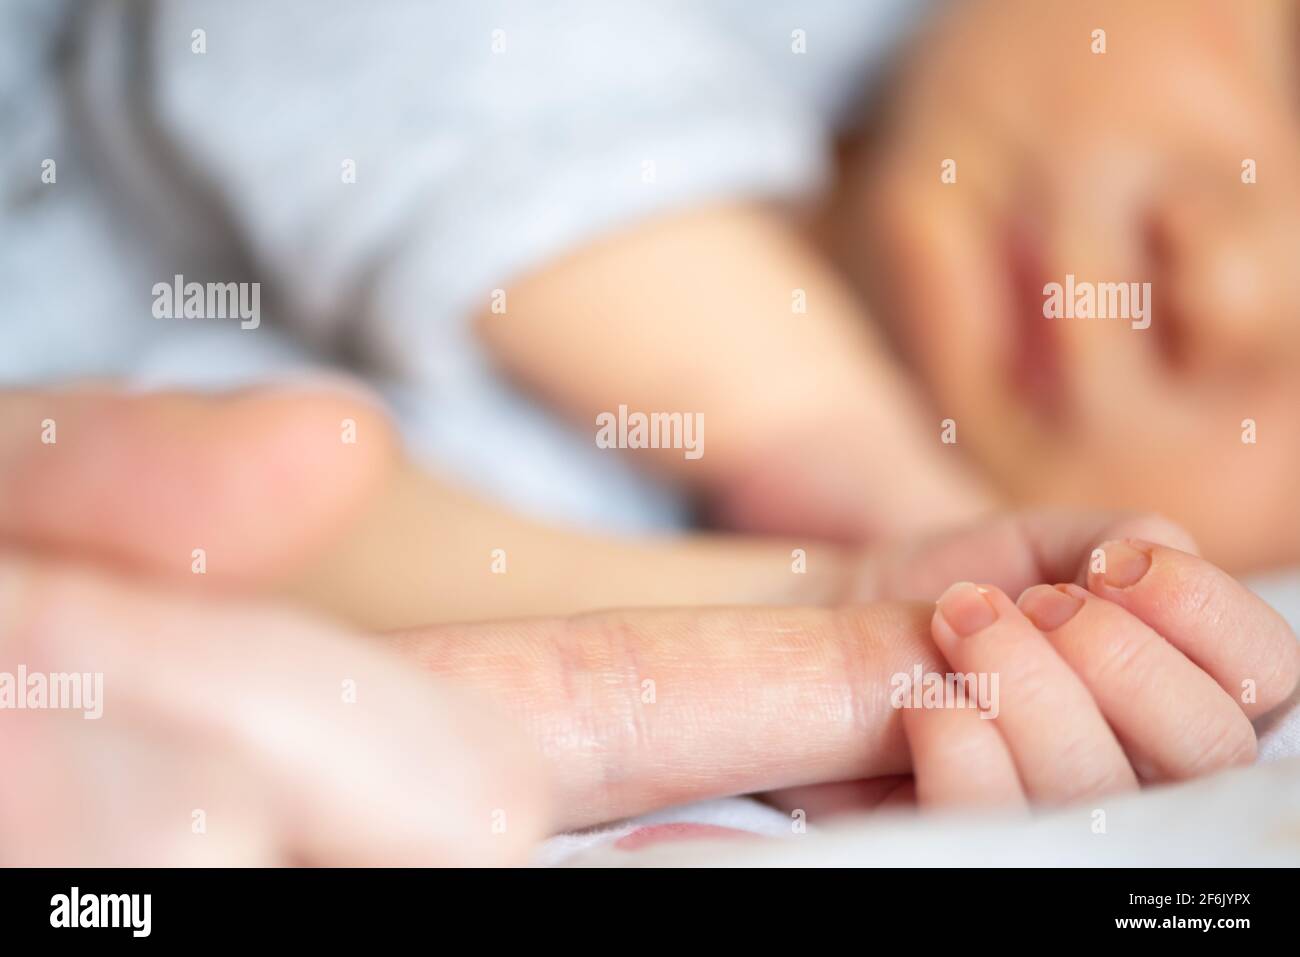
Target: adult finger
(636, 710)
(254, 478)
(343, 753)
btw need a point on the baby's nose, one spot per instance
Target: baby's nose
(1226, 283)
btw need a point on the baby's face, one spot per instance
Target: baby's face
(1172, 158)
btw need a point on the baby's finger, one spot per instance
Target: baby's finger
(1013, 551)
(960, 759)
(1061, 744)
(1209, 616)
(1174, 721)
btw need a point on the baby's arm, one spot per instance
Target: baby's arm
(809, 425)
(426, 551)
(305, 493)
(464, 169)
(1174, 655)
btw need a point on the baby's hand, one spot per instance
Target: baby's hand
(1152, 673)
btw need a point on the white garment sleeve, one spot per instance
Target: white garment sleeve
(487, 138)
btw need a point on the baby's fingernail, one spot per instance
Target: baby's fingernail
(966, 609)
(1047, 607)
(1125, 565)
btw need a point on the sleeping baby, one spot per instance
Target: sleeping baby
(522, 223)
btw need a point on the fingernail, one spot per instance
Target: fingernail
(1047, 607)
(1125, 565)
(966, 609)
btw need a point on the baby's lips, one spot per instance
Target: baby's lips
(1036, 363)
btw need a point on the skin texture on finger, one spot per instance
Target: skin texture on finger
(343, 753)
(1062, 746)
(1174, 721)
(1213, 619)
(636, 710)
(257, 479)
(959, 759)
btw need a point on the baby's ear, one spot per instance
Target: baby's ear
(241, 486)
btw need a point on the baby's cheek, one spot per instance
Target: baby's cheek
(1227, 476)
